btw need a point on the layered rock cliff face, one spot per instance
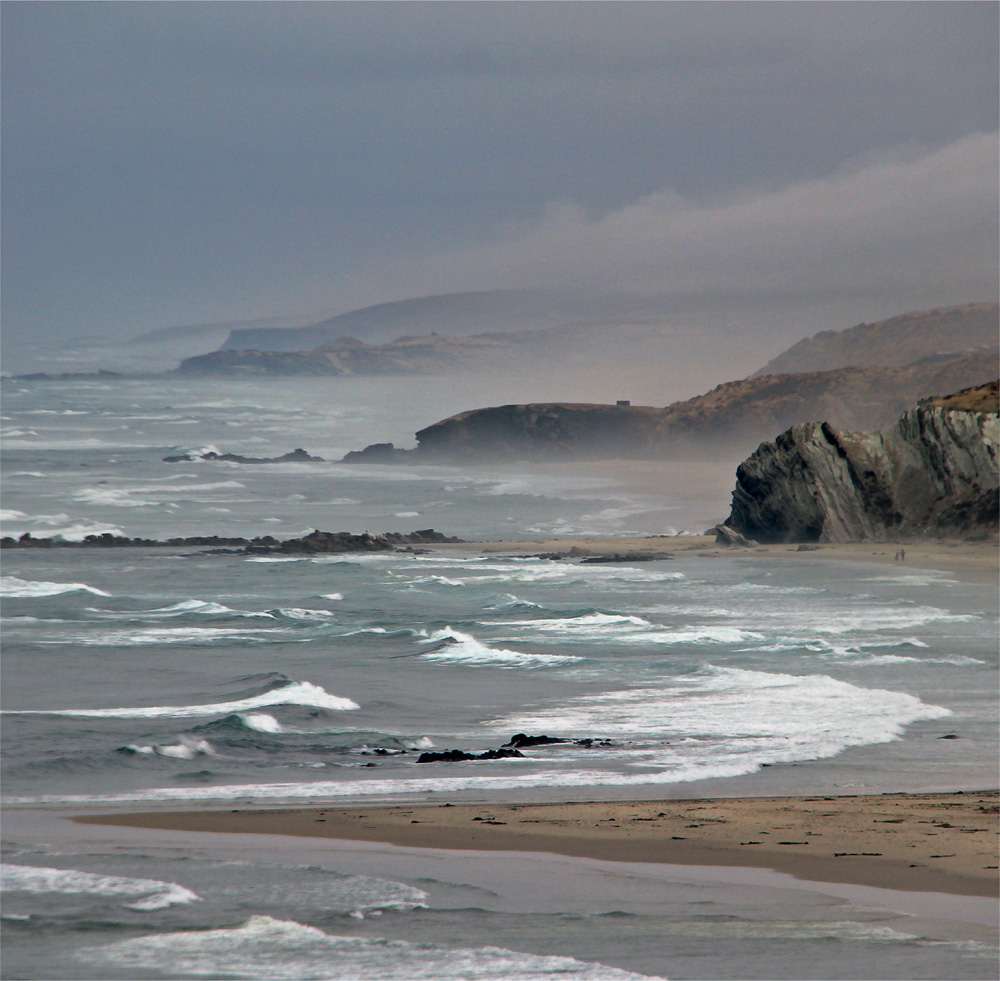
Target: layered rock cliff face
(933, 472)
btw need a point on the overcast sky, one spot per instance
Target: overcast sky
(180, 163)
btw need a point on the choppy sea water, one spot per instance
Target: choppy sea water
(154, 677)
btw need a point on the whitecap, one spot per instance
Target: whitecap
(332, 596)
(206, 607)
(150, 894)
(27, 588)
(263, 947)
(293, 693)
(260, 721)
(140, 637)
(462, 648)
(186, 748)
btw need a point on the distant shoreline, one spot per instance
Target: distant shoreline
(976, 561)
(926, 842)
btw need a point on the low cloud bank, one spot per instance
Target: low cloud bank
(900, 220)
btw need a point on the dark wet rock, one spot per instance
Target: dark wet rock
(317, 542)
(427, 536)
(378, 453)
(521, 740)
(591, 743)
(627, 557)
(295, 456)
(458, 755)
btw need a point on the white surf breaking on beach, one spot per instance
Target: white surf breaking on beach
(146, 894)
(265, 947)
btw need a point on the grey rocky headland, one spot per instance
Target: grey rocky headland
(932, 473)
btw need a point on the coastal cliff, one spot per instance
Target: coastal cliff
(732, 418)
(932, 473)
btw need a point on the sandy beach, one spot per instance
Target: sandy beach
(939, 842)
(925, 842)
(969, 561)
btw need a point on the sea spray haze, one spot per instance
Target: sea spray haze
(144, 677)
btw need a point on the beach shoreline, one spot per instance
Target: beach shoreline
(967, 561)
(926, 842)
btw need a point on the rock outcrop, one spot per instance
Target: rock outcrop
(298, 455)
(933, 473)
(731, 418)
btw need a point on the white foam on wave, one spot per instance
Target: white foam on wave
(149, 894)
(440, 580)
(59, 526)
(260, 721)
(462, 648)
(206, 607)
(738, 715)
(299, 613)
(512, 602)
(263, 947)
(186, 748)
(625, 629)
(141, 637)
(294, 693)
(332, 596)
(27, 588)
(135, 497)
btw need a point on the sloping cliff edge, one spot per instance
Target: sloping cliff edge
(932, 473)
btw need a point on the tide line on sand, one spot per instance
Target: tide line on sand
(931, 842)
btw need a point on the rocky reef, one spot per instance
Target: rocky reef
(932, 473)
(316, 542)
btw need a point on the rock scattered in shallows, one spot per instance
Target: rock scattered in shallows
(509, 750)
(295, 456)
(457, 755)
(316, 542)
(520, 740)
(627, 557)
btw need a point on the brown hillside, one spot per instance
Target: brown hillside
(895, 342)
(979, 398)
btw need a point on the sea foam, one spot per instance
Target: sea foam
(11, 586)
(264, 947)
(462, 648)
(293, 693)
(149, 894)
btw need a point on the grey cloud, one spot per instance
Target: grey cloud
(902, 220)
(212, 161)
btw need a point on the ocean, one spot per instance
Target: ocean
(169, 677)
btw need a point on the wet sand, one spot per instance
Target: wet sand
(944, 842)
(967, 561)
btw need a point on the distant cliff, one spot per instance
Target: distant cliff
(733, 417)
(933, 472)
(927, 334)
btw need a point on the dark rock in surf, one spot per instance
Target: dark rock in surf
(521, 740)
(298, 455)
(626, 557)
(458, 755)
(378, 453)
